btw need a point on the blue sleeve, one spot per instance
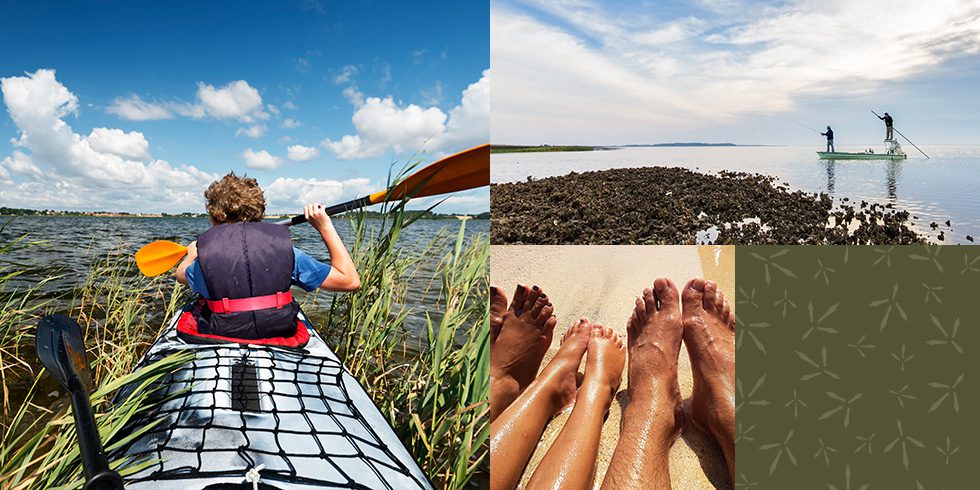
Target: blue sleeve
(308, 273)
(195, 279)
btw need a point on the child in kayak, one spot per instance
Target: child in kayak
(244, 267)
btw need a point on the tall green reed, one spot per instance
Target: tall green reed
(436, 397)
(113, 305)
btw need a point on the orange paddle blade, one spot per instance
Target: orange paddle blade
(159, 257)
(467, 169)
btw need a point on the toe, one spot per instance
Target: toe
(666, 292)
(692, 297)
(710, 295)
(549, 325)
(649, 300)
(520, 296)
(719, 299)
(547, 311)
(531, 298)
(539, 305)
(726, 311)
(731, 321)
(498, 304)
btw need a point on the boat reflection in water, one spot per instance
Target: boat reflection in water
(893, 171)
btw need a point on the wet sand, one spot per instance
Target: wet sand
(660, 205)
(601, 283)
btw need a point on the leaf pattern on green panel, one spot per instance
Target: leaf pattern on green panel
(855, 367)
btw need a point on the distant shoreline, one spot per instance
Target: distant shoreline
(550, 148)
(537, 148)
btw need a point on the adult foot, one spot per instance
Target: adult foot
(603, 365)
(519, 338)
(653, 417)
(709, 334)
(655, 333)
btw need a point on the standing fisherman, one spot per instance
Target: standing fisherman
(888, 126)
(830, 139)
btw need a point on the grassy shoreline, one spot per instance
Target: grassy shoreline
(536, 148)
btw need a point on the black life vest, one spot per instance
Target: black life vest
(248, 260)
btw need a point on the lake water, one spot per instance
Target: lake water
(946, 186)
(71, 244)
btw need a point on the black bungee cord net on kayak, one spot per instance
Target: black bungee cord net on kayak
(299, 425)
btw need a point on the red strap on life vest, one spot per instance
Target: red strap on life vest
(226, 305)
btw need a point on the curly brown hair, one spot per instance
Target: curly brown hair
(232, 199)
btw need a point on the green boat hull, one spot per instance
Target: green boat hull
(828, 155)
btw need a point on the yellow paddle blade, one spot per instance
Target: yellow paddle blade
(159, 257)
(467, 169)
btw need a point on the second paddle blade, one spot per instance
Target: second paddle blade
(159, 257)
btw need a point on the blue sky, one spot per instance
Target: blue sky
(138, 106)
(619, 72)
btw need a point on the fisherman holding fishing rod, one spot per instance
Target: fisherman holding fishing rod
(830, 139)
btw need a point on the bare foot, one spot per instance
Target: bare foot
(603, 365)
(709, 334)
(518, 429)
(519, 338)
(655, 332)
(563, 368)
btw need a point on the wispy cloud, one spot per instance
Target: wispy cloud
(575, 67)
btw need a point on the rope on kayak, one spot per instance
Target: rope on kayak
(252, 476)
(287, 413)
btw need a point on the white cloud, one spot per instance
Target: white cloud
(300, 153)
(384, 125)
(346, 75)
(290, 123)
(261, 159)
(19, 163)
(291, 193)
(92, 168)
(469, 122)
(237, 100)
(131, 145)
(600, 75)
(254, 131)
(134, 108)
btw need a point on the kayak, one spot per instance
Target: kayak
(262, 416)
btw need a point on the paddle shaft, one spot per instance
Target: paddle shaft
(903, 136)
(332, 210)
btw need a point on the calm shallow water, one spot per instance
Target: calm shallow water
(71, 244)
(946, 186)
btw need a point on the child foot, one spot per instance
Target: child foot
(603, 365)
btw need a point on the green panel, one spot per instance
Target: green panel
(856, 367)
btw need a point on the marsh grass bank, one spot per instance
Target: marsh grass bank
(432, 388)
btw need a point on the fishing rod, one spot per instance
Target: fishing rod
(805, 126)
(903, 136)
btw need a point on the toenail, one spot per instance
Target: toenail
(549, 303)
(535, 288)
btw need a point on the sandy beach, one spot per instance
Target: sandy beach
(601, 283)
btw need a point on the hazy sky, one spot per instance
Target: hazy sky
(139, 105)
(615, 72)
